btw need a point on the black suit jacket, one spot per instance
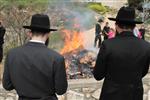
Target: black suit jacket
(35, 71)
(123, 61)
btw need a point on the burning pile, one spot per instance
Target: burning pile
(79, 62)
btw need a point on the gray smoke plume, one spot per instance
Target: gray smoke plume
(73, 15)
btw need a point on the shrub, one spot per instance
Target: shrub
(147, 21)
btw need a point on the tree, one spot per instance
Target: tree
(140, 6)
(135, 3)
(16, 13)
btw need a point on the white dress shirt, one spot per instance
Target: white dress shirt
(37, 41)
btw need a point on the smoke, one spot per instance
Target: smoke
(74, 16)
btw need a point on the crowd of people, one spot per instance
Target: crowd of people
(37, 72)
(108, 32)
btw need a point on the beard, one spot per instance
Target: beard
(47, 42)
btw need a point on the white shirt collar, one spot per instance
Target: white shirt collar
(37, 41)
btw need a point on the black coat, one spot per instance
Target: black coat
(98, 29)
(35, 71)
(123, 61)
(2, 33)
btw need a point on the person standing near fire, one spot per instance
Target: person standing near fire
(111, 33)
(2, 33)
(33, 70)
(98, 31)
(123, 61)
(106, 30)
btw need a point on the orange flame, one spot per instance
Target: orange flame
(73, 41)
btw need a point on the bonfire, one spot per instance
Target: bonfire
(79, 61)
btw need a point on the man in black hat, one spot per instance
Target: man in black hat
(123, 61)
(2, 33)
(98, 31)
(33, 70)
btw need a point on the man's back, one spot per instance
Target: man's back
(36, 71)
(123, 61)
(129, 58)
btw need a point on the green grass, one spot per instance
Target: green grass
(98, 7)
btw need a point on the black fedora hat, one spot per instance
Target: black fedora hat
(126, 15)
(40, 22)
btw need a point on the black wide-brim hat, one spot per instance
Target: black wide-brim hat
(126, 15)
(40, 22)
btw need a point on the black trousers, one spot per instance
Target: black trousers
(97, 38)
